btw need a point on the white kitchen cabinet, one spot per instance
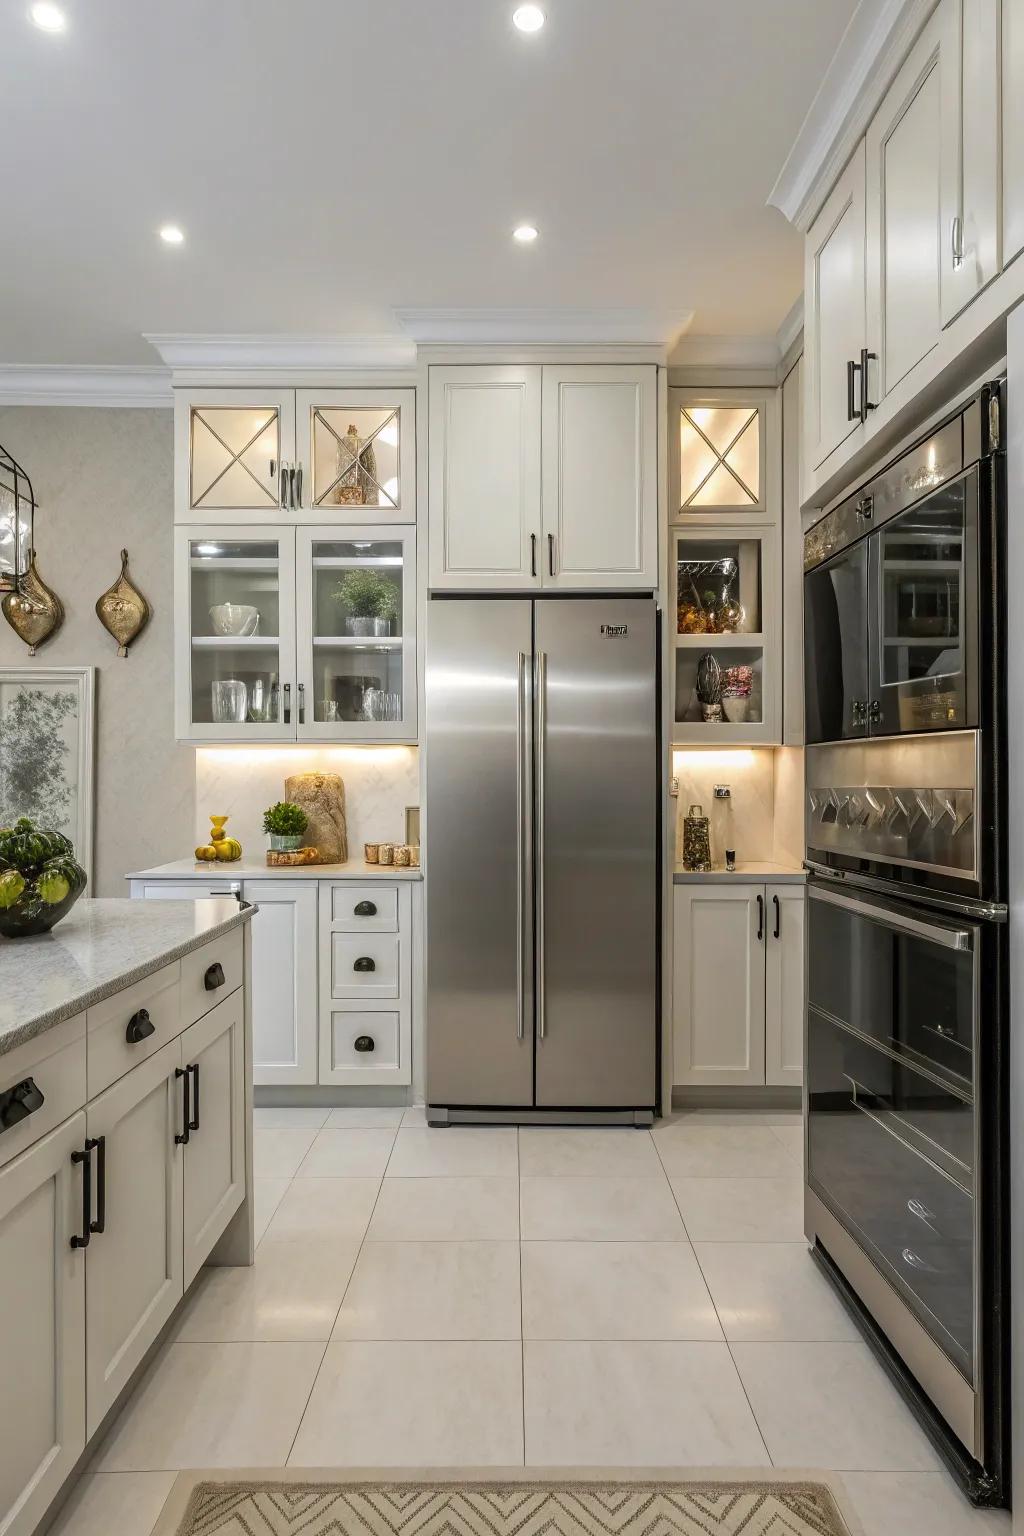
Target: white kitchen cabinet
(835, 325)
(357, 452)
(1013, 128)
(587, 520)
(969, 58)
(738, 984)
(42, 1325)
(134, 1259)
(366, 947)
(228, 450)
(600, 490)
(284, 1000)
(723, 455)
(213, 1183)
(718, 984)
(784, 985)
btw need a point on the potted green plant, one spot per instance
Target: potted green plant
(285, 823)
(369, 600)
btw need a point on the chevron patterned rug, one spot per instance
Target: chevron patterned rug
(307, 1508)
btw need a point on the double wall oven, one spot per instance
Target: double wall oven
(906, 986)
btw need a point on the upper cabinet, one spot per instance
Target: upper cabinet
(723, 455)
(970, 155)
(259, 455)
(835, 349)
(588, 520)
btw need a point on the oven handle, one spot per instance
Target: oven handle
(949, 938)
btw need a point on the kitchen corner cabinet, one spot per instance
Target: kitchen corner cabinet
(543, 478)
(270, 645)
(270, 455)
(738, 984)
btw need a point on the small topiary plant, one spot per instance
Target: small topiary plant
(364, 593)
(285, 819)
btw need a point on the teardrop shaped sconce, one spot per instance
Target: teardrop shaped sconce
(33, 611)
(122, 610)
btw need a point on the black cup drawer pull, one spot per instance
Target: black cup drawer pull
(365, 963)
(214, 976)
(364, 1043)
(140, 1027)
(365, 909)
(20, 1101)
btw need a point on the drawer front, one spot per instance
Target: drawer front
(41, 1083)
(365, 1043)
(364, 965)
(210, 974)
(130, 1026)
(364, 908)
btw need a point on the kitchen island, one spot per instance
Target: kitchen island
(125, 1159)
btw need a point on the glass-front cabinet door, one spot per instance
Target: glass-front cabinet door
(356, 627)
(723, 454)
(235, 629)
(231, 447)
(727, 635)
(357, 452)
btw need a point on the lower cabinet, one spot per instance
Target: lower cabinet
(42, 1325)
(213, 1067)
(738, 985)
(365, 984)
(284, 1000)
(134, 1258)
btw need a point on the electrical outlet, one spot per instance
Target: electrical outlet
(673, 787)
(722, 792)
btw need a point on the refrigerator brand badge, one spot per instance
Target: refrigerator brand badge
(615, 631)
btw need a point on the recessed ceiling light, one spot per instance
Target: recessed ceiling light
(526, 234)
(528, 18)
(47, 17)
(170, 234)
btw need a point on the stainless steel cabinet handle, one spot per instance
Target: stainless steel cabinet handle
(541, 686)
(287, 703)
(949, 938)
(292, 472)
(284, 485)
(298, 486)
(302, 703)
(956, 237)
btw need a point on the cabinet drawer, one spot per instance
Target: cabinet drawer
(364, 908)
(364, 965)
(203, 986)
(54, 1064)
(130, 1026)
(382, 1029)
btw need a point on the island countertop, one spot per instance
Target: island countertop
(102, 946)
(253, 869)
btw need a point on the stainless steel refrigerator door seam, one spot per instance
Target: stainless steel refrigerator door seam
(522, 856)
(540, 692)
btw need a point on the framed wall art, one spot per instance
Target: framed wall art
(46, 751)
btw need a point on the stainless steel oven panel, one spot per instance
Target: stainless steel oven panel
(935, 930)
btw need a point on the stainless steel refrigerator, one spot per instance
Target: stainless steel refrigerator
(542, 851)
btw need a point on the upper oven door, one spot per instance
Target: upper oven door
(923, 614)
(836, 647)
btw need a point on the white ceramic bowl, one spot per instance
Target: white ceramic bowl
(234, 619)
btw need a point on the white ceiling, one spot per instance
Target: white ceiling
(331, 160)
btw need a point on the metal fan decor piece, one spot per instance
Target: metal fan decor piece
(17, 511)
(122, 610)
(32, 609)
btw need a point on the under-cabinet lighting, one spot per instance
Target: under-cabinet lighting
(716, 757)
(528, 18)
(171, 234)
(526, 234)
(47, 17)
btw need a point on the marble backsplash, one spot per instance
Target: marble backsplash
(241, 782)
(762, 818)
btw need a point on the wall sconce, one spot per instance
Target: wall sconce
(17, 512)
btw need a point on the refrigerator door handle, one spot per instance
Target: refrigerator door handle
(541, 692)
(524, 838)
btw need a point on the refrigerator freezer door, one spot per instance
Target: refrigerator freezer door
(478, 799)
(596, 765)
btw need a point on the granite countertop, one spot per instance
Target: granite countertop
(258, 869)
(778, 874)
(101, 947)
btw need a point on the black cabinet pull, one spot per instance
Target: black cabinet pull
(365, 909)
(181, 1137)
(287, 703)
(551, 553)
(865, 404)
(85, 1158)
(18, 1102)
(778, 915)
(760, 916)
(100, 1143)
(533, 554)
(302, 703)
(193, 1123)
(364, 1043)
(364, 963)
(140, 1027)
(852, 409)
(214, 977)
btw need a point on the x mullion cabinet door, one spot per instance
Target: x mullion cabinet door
(230, 446)
(356, 449)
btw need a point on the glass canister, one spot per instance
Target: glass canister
(696, 840)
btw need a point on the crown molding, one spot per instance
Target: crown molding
(871, 50)
(257, 354)
(52, 384)
(789, 332)
(732, 352)
(544, 327)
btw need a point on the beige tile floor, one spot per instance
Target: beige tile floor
(489, 1297)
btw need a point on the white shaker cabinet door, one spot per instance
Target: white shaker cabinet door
(213, 1058)
(910, 198)
(134, 1262)
(970, 152)
(718, 988)
(42, 1325)
(284, 972)
(600, 482)
(1013, 129)
(784, 985)
(834, 278)
(485, 426)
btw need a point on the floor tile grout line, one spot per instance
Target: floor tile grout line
(305, 1406)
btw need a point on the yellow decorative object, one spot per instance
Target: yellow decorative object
(226, 849)
(122, 610)
(206, 853)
